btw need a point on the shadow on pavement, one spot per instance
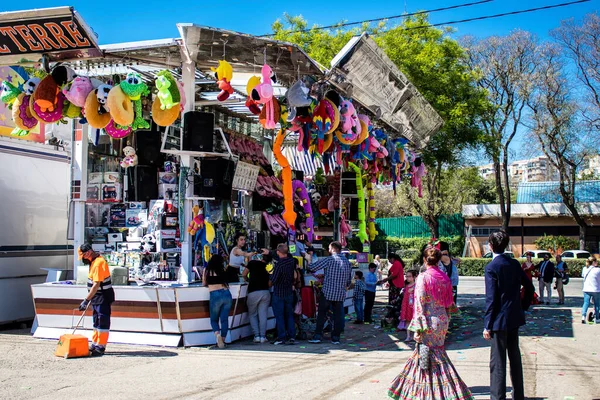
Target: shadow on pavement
(140, 353)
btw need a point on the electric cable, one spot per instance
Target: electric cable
(481, 18)
(341, 25)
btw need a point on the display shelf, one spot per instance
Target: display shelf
(200, 154)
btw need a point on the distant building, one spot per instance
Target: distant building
(591, 167)
(538, 169)
(539, 210)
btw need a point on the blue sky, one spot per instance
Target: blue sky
(151, 19)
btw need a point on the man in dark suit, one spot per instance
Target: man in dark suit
(503, 317)
(546, 271)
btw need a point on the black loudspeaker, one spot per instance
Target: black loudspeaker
(148, 147)
(215, 179)
(298, 175)
(143, 183)
(353, 211)
(198, 131)
(348, 183)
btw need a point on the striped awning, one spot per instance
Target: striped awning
(307, 162)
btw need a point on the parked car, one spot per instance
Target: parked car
(538, 253)
(573, 254)
(491, 255)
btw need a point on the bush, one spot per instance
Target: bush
(554, 243)
(394, 244)
(476, 266)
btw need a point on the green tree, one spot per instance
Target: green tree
(436, 64)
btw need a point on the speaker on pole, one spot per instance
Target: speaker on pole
(198, 131)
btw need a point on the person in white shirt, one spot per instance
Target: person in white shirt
(591, 290)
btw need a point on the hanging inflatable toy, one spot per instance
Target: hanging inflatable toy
(224, 74)
(362, 225)
(418, 172)
(302, 193)
(117, 132)
(78, 90)
(263, 94)
(134, 88)
(21, 113)
(325, 120)
(168, 92)
(120, 106)
(345, 230)
(49, 116)
(197, 221)
(371, 193)
(350, 124)
(164, 117)
(9, 93)
(289, 215)
(252, 105)
(365, 123)
(93, 107)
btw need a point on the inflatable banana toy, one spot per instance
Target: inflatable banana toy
(289, 216)
(362, 225)
(371, 193)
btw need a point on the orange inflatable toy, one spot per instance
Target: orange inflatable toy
(289, 215)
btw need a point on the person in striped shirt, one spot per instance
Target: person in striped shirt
(100, 294)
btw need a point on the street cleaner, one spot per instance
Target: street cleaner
(100, 294)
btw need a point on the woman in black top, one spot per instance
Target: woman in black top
(259, 296)
(215, 279)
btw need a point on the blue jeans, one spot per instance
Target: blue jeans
(587, 296)
(359, 308)
(283, 308)
(220, 305)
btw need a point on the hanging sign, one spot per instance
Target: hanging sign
(363, 71)
(49, 31)
(245, 176)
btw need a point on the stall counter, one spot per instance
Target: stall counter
(145, 315)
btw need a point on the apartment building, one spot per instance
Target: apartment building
(538, 169)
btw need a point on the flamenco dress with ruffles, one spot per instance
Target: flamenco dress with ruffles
(433, 296)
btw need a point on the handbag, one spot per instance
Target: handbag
(423, 356)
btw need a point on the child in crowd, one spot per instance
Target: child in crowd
(408, 303)
(371, 282)
(359, 296)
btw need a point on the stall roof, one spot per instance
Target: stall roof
(363, 71)
(59, 33)
(245, 53)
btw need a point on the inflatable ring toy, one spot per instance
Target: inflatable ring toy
(22, 114)
(116, 133)
(163, 117)
(120, 106)
(48, 116)
(91, 112)
(340, 136)
(364, 133)
(335, 121)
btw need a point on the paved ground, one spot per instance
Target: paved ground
(560, 357)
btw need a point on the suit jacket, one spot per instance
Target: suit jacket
(503, 305)
(548, 272)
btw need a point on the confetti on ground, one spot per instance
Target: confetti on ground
(359, 364)
(561, 374)
(364, 348)
(374, 380)
(302, 347)
(532, 352)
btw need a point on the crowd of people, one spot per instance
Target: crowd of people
(419, 301)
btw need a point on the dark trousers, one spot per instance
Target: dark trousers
(338, 317)
(369, 302)
(283, 309)
(503, 343)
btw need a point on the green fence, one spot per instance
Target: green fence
(406, 227)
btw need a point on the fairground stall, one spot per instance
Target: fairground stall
(182, 143)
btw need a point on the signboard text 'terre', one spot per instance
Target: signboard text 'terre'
(41, 35)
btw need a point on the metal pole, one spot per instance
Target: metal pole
(80, 166)
(188, 76)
